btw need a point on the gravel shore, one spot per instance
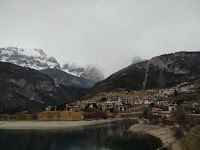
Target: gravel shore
(164, 133)
(51, 124)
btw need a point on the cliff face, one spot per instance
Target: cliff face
(159, 72)
(170, 70)
(24, 88)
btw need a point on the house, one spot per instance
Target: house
(51, 108)
(165, 114)
(138, 101)
(81, 107)
(91, 105)
(101, 105)
(171, 91)
(131, 101)
(110, 106)
(122, 108)
(156, 111)
(150, 91)
(114, 100)
(196, 104)
(162, 103)
(147, 100)
(196, 107)
(78, 103)
(133, 92)
(124, 100)
(172, 108)
(70, 107)
(48, 108)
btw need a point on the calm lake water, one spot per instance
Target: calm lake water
(113, 136)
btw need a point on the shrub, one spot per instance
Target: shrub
(178, 133)
(34, 116)
(95, 113)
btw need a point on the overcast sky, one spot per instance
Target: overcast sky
(108, 33)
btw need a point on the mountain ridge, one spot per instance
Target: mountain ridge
(23, 88)
(163, 71)
(38, 60)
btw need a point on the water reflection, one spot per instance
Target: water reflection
(105, 136)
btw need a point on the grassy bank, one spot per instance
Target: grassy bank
(192, 140)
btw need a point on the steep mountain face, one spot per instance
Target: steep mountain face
(38, 60)
(89, 72)
(33, 58)
(69, 80)
(94, 73)
(73, 69)
(24, 88)
(159, 72)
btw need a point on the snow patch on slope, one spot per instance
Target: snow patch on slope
(32, 58)
(38, 60)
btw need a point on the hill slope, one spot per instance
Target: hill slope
(23, 88)
(159, 72)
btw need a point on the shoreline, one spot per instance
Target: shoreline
(161, 132)
(164, 133)
(53, 124)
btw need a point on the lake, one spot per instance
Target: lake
(108, 136)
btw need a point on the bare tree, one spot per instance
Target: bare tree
(22, 116)
(34, 115)
(185, 122)
(97, 139)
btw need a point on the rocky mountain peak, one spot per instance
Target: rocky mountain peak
(38, 60)
(91, 72)
(32, 58)
(94, 72)
(137, 59)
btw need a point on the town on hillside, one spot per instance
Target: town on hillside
(156, 98)
(120, 103)
(163, 102)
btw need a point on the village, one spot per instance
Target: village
(134, 102)
(162, 103)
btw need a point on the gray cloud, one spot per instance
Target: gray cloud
(104, 32)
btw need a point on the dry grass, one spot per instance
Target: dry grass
(64, 115)
(169, 147)
(192, 140)
(128, 115)
(55, 116)
(140, 107)
(123, 95)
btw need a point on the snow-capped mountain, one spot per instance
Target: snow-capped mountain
(38, 60)
(32, 58)
(73, 69)
(91, 72)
